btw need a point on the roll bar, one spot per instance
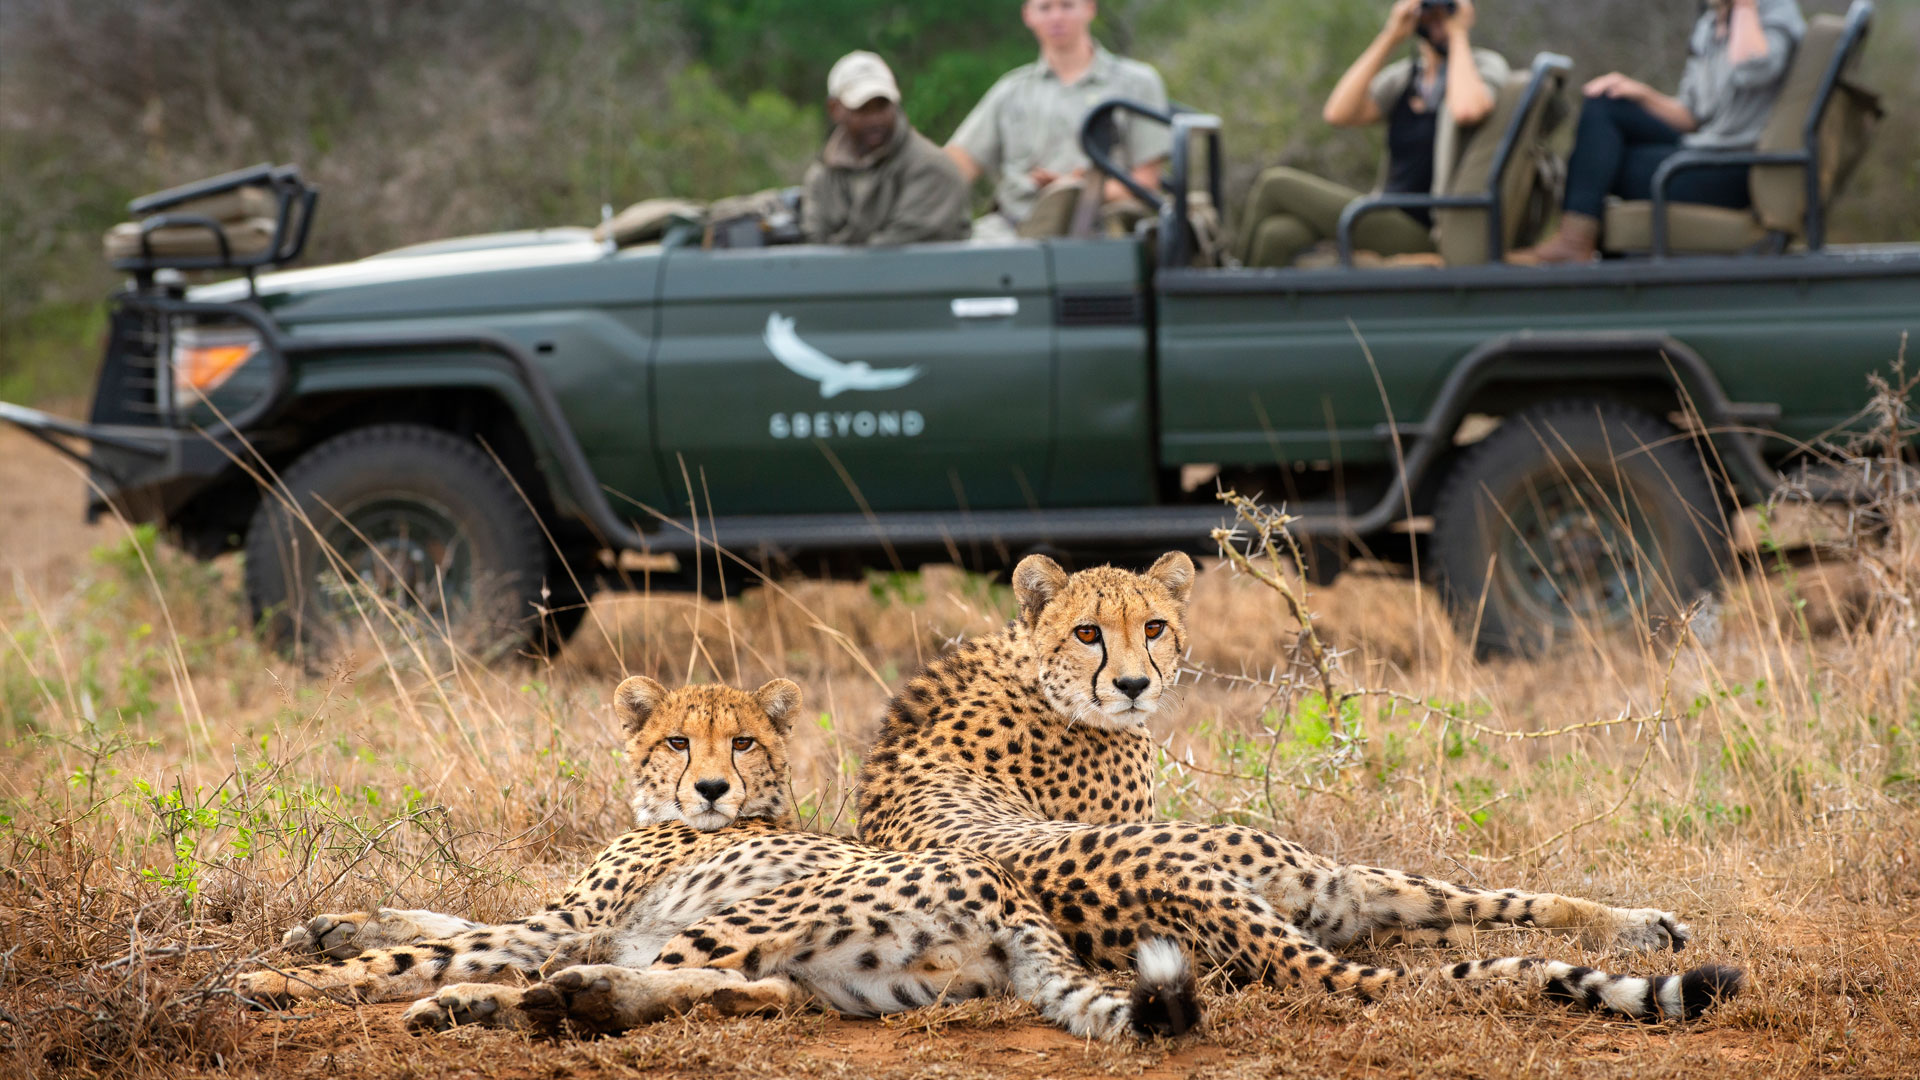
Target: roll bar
(1096, 134)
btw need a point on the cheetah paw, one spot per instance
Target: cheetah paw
(592, 997)
(270, 989)
(467, 1005)
(1650, 929)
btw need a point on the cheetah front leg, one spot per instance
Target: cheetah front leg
(343, 935)
(487, 953)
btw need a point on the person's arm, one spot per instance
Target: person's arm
(975, 145)
(969, 169)
(1469, 98)
(1746, 37)
(1351, 104)
(1761, 46)
(1668, 110)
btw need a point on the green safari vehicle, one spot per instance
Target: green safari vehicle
(486, 430)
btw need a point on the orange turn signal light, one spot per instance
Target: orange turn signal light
(204, 367)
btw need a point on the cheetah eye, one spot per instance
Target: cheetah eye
(1087, 634)
(742, 744)
(677, 742)
(1155, 628)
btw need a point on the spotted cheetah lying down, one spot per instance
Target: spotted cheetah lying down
(717, 897)
(1031, 746)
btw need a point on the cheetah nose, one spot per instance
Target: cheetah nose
(711, 790)
(1132, 687)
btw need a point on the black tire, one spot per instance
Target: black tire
(1574, 517)
(431, 527)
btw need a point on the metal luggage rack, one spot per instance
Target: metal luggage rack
(292, 222)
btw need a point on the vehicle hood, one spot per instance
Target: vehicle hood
(445, 275)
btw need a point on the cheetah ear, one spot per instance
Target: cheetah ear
(635, 699)
(1174, 572)
(781, 699)
(1036, 581)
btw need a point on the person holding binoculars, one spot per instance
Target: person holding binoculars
(1424, 100)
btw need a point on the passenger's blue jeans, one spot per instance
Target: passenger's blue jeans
(1618, 148)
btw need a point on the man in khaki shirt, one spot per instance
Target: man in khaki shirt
(1025, 133)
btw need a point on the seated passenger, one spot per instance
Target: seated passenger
(878, 181)
(1424, 99)
(1025, 133)
(1738, 58)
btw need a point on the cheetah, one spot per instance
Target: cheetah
(717, 896)
(1030, 745)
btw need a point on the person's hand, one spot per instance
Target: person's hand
(1402, 20)
(1042, 177)
(1461, 20)
(1615, 85)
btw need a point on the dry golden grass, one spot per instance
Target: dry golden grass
(172, 797)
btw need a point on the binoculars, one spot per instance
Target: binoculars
(1448, 6)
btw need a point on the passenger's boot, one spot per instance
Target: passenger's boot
(1577, 242)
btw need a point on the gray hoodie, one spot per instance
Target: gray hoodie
(1732, 101)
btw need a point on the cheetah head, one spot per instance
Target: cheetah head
(707, 755)
(1106, 640)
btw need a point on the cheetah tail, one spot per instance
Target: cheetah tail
(1661, 997)
(1165, 999)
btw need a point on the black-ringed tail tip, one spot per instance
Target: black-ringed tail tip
(1663, 997)
(1166, 1000)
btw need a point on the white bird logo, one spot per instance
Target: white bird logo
(833, 375)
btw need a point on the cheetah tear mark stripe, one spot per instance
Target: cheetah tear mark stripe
(1093, 685)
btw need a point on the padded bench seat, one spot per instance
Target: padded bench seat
(1692, 228)
(249, 236)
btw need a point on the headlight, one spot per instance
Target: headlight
(205, 357)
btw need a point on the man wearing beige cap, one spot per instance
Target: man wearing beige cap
(878, 181)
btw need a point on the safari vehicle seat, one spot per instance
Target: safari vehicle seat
(245, 214)
(242, 220)
(1816, 135)
(1500, 172)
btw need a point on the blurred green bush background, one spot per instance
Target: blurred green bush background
(430, 118)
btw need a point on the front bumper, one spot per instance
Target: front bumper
(143, 461)
(141, 473)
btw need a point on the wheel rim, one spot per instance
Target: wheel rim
(1569, 555)
(402, 551)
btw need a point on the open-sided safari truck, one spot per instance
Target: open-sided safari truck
(480, 430)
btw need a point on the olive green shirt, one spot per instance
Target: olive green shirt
(1031, 119)
(908, 191)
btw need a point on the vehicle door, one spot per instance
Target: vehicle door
(828, 380)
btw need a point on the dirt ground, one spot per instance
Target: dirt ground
(1819, 909)
(1840, 1001)
(42, 533)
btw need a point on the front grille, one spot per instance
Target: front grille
(130, 390)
